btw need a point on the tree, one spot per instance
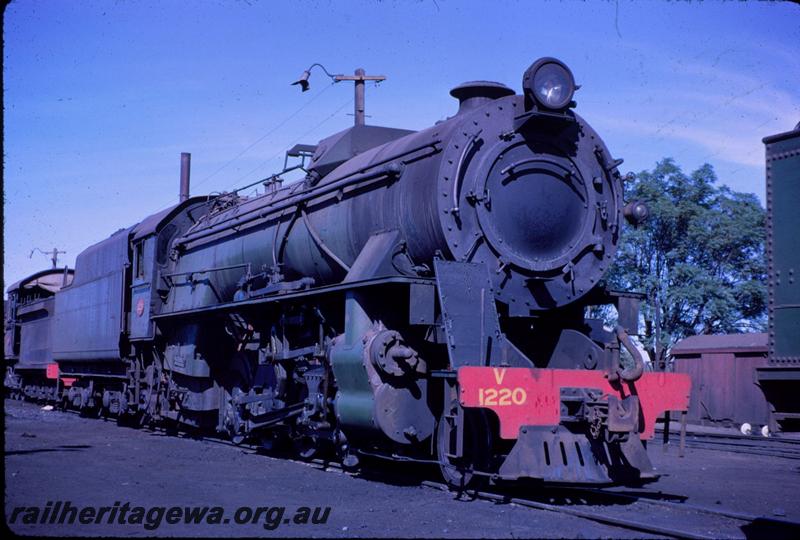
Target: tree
(699, 258)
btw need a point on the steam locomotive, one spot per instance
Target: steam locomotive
(417, 296)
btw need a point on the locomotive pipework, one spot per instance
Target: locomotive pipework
(533, 195)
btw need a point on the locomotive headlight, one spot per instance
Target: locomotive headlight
(550, 83)
(636, 213)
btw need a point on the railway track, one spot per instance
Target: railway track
(661, 512)
(613, 508)
(656, 513)
(787, 448)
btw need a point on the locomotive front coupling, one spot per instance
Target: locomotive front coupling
(589, 444)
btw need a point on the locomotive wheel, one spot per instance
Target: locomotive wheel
(305, 447)
(458, 472)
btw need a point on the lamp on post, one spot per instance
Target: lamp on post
(359, 77)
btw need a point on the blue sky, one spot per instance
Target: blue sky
(102, 96)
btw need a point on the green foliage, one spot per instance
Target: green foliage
(699, 258)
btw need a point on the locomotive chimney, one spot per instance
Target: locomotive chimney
(475, 93)
(186, 164)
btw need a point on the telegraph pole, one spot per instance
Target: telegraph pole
(359, 77)
(53, 255)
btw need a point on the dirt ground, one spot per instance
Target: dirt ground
(52, 456)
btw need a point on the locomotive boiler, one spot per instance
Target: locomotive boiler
(417, 296)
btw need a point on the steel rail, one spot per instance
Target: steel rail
(740, 444)
(629, 524)
(624, 523)
(737, 437)
(682, 505)
(703, 445)
(609, 520)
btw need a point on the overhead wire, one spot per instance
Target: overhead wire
(260, 139)
(290, 145)
(267, 134)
